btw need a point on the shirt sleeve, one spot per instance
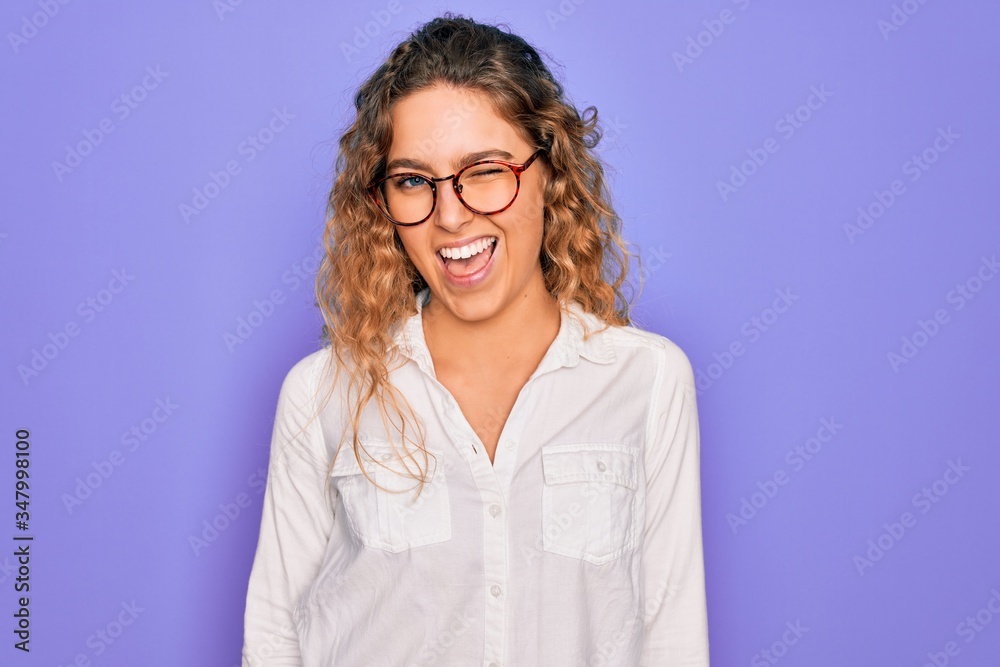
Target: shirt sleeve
(675, 612)
(296, 523)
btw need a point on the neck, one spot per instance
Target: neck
(524, 327)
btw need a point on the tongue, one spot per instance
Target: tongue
(469, 265)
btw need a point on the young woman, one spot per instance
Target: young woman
(487, 465)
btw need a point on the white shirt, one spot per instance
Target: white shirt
(580, 544)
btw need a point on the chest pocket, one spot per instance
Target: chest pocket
(590, 506)
(394, 519)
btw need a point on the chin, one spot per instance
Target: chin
(469, 307)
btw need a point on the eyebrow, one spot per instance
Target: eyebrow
(468, 158)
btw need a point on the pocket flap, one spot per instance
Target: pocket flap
(347, 464)
(385, 457)
(591, 462)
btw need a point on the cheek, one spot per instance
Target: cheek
(524, 235)
(416, 249)
(534, 205)
(535, 219)
(409, 246)
(529, 208)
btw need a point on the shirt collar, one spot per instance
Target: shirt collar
(568, 347)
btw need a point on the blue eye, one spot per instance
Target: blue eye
(409, 182)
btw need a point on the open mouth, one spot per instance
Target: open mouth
(466, 261)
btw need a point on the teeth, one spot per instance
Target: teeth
(467, 251)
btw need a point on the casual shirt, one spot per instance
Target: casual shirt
(580, 544)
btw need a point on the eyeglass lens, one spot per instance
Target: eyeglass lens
(487, 188)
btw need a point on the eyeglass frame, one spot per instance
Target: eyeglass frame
(517, 168)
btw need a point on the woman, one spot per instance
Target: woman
(509, 472)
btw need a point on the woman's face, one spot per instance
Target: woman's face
(436, 132)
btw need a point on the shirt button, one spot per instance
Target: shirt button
(510, 444)
(494, 664)
(601, 466)
(495, 590)
(494, 510)
(386, 457)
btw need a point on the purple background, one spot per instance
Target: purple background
(714, 262)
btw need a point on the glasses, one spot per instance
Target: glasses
(485, 187)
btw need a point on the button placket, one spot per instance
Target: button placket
(495, 543)
(492, 481)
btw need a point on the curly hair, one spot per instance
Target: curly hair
(366, 283)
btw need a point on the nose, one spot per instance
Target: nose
(451, 213)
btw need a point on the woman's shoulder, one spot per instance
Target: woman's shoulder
(304, 369)
(641, 348)
(632, 336)
(310, 372)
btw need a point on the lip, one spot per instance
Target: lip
(466, 241)
(472, 279)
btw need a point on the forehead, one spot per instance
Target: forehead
(438, 124)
